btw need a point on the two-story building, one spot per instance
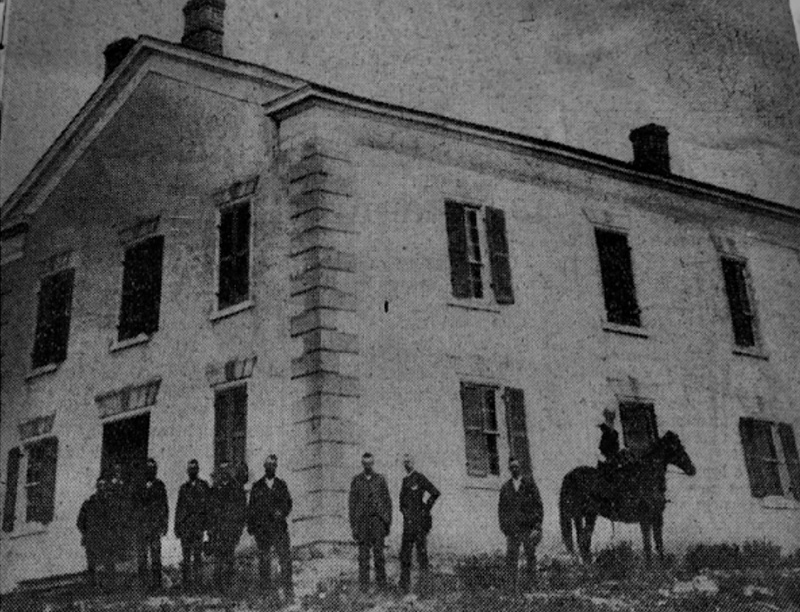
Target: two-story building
(218, 261)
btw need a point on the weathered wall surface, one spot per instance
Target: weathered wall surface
(416, 343)
(724, 77)
(164, 153)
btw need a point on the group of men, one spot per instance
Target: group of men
(210, 519)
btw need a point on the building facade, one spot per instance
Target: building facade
(218, 261)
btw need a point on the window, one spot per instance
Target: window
(616, 272)
(230, 425)
(53, 318)
(467, 261)
(40, 480)
(638, 420)
(141, 288)
(482, 429)
(12, 480)
(734, 272)
(771, 459)
(234, 254)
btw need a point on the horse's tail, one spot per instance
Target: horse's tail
(566, 510)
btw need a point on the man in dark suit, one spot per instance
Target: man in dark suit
(191, 522)
(417, 496)
(151, 521)
(94, 524)
(228, 517)
(520, 512)
(270, 505)
(370, 520)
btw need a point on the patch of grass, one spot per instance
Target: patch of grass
(481, 572)
(713, 556)
(616, 562)
(761, 554)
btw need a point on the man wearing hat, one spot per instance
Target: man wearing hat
(417, 496)
(609, 438)
(191, 522)
(270, 505)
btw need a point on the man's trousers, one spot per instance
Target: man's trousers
(411, 539)
(280, 542)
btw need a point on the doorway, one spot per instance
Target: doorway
(125, 442)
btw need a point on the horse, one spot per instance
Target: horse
(635, 494)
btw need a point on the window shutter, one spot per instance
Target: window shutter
(751, 459)
(517, 428)
(498, 255)
(48, 475)
(475, 441)
(616, 271)
(12, 483)
(238, 424)
(457, 244)
(786, 434)
(738, 301)
(221, 410)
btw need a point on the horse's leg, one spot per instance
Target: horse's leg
(645, 527)
(586, 542)
(658, 535)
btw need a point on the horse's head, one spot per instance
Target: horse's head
(675, 454)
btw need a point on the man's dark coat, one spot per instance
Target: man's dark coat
(415, 509)
(150, 508)
(520, 511)
(228, 514)
(95, 522)
(264, 503)
(369, 498)
(192, 511)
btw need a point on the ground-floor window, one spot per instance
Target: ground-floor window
(638, 421)
(482, 427)
(771, 458)
(40, 480)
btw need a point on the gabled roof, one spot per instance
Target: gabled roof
(101, 107)
(113, 92)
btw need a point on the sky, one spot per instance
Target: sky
(722, 75)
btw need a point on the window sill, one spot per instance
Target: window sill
(776, 502)
(486, 483)
(28, 530)
(119, 345)
(42, 371)
(231, 310)
(475, 306)
(625, 330)
(752, 351)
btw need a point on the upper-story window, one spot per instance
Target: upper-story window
(616, 271)
(478, 247)
(141, 288)
(234, 254)
(740, 302)
(53, 318)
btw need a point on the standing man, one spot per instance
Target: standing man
(520, 512)
(94, 524)
(229, 507)
(370, 520)
(151, 516)
(417, 496)
(119, 496)
(191, 521)
(270, 505)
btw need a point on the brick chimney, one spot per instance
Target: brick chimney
(651, 148)
(203, 27)
(116, 52)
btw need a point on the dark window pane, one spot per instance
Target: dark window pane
(638, 425)
(736, 289)
(230, 425)
(234, 255)
(141, 288)
(53, 319)
(616, 271)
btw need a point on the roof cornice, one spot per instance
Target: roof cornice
(312, 94)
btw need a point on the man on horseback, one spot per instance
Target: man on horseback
(609, 444)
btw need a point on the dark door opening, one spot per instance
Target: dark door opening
(125, 442)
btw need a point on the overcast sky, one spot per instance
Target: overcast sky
(722, 75)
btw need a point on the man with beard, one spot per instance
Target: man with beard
(417, 496)
(151, 516)
(270, 505)
(370, 519)
(191, 521)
